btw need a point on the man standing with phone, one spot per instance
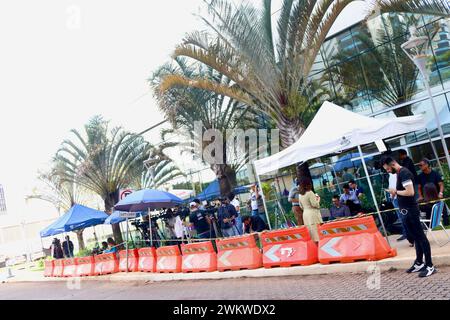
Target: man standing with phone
(408, 207)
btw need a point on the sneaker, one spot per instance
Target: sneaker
(401, 238)
(426, 272)
(416, 268)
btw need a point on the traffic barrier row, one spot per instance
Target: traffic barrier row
(340, 242)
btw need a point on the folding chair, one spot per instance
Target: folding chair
(436, 221)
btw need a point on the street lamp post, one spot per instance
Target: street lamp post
(416, 48)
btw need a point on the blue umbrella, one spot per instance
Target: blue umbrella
(148, 199)
(77, 218)
(115, 217)
(346, 161)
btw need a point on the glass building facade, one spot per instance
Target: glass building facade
(364, 69)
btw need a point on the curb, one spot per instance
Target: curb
(317, 269)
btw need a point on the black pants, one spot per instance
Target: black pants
(416, 233)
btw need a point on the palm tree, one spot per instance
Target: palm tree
(391, 78)
(269, 71)
(60, 192)
(160, 169)
(185, 106)
(103, 161)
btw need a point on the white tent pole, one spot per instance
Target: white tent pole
(127, 245)
(263, 197)
(373, 192)
(337, 182)
(434, 151)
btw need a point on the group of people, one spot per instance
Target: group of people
(306, 205)
(223, 218)
(403, 189)
(428, 187)
(64, 250)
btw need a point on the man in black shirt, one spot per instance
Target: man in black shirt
(226, 216)
(67, 246)
(200, 220)
(407, 163)
(408, 206)
(254, 224)
(430, 176)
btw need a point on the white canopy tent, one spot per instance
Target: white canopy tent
(335, 129)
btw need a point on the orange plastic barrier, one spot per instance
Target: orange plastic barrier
(58, 268)
(106, 264)
(70, 268)
(199, 257)
(133, 260)
(352, 240)
(168, 260)
(238, 253)
(85, 266)
(147, 260)
(49, 266)
(288, 248)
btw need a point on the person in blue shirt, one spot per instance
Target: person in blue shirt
(112, 246)
(338, 210)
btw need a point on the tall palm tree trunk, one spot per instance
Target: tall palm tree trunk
(290, 131)
(110, 202)
(227, 178)
(80, 239)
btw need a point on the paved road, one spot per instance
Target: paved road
(393, 285)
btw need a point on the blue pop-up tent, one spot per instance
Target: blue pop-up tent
(213, 191)
(347, 162)
(77, 218)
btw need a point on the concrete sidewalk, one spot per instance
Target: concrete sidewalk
(403, 260)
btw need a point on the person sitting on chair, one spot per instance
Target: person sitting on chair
(430, 194)
(338, 210)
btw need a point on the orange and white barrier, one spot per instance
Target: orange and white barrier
(85, 266)
(49, 266)
(288, 248)
(58, 268)
(70, 268)
(168, 259)
(199, 257)
(133, 260)
(351, 241)
(147, 260)
(238, 253)
(106, 264)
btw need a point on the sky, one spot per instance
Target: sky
(62, 62)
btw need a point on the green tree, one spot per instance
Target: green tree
(184, 106)
(160, 169)
(61, 192)
(103, 161)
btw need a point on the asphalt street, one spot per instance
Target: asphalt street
(393, 285)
